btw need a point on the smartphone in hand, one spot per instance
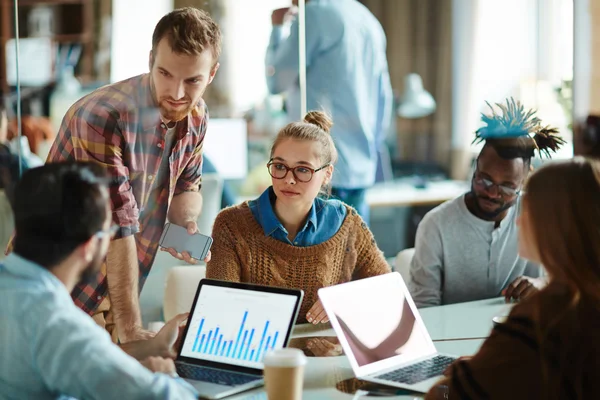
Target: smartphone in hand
(178, 238)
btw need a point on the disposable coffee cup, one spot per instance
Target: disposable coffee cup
(284, 374)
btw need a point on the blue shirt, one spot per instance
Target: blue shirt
(50, 348)
(347, 76)
(324, 220)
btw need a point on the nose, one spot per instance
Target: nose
(494, 192)
(290, 179)
(180, 91)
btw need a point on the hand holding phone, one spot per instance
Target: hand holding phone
(185, 244)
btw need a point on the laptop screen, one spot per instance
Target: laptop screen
(378, 321)
(237, 326)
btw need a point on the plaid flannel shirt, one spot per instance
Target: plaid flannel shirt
(119, 127)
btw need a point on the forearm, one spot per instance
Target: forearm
(185, 207)
(122, 273)
(140, 349)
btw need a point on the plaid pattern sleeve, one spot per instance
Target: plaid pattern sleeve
(119, 127)
(92, 133)
(191, 178)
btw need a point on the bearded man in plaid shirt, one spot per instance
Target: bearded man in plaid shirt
(147, 131)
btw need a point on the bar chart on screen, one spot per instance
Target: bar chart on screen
(238, 326)
(246, 342)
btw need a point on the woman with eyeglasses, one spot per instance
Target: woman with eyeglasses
(291, 236)
(548, 347)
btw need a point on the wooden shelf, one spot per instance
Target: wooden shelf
(61, 38)
(76, 25)
(47, 2)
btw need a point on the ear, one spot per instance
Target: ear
(88, 249)
(150, 60)
(213, 72)
(328, 175)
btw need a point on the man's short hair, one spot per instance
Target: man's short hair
(58, 207)
(188, 31)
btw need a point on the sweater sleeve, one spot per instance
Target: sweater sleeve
(225, 262)
(510, 354)
(370, 261)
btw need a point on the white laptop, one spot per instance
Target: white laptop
(230, 328)
(382, 333)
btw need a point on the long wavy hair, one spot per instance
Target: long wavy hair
(562, 201)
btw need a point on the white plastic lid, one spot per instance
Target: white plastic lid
(287, 357)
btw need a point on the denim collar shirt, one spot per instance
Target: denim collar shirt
(51, 349)
(324, 220)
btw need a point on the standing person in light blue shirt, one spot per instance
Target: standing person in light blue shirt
(49, 348)
(347, 76)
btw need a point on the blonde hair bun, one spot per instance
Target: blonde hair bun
(320, 119)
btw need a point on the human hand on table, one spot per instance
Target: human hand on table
(523, 287)
(322, 347)
(192, 229)
(168, 340)
(316, 314)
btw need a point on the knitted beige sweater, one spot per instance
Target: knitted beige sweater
(242, 253)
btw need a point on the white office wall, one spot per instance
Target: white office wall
(132, 35)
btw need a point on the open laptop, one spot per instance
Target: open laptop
(382, 333)
(230, 328)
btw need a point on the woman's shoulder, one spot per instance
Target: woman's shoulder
(554, 308)
(331, 207)
(233, 213)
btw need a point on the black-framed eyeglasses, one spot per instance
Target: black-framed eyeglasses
(488, 184)
(302, 174)
(111, 232)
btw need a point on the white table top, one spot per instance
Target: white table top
(401, 193)
(447, 325)
(471, 320)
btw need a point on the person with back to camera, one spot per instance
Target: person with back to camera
(290, 236)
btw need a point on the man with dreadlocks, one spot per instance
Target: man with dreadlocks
(466, 249)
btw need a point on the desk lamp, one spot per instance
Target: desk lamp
(415, 102)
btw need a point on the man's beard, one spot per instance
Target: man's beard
(490, 215)
(90, 273)
(165, 109)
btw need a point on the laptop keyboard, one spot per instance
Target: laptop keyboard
(210, 375)
(418, 372)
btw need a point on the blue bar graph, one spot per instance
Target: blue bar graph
(198, 335)
(240, 332)
(207, 341)
(245, 345)
(248, 347)
(219, 343)
(214, 339)
(201, 341)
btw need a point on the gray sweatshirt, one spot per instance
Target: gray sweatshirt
(459, 257)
